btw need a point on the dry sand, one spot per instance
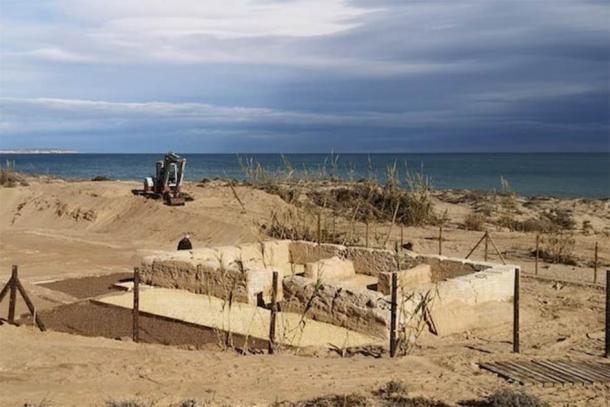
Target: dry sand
(239, 318)
(56, 229)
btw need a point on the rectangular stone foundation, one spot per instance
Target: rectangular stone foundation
(437, 294)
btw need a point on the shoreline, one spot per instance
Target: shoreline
(326, 182)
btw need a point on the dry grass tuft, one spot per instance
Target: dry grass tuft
(474, 221)
(557, 248)
(10, 178)
(508, 398)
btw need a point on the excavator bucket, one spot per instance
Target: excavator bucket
(172, 200)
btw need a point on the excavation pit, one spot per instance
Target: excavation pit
(244, 320)
(344, 287)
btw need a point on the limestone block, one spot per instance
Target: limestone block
(456, 316)
(302, 252)
(371, 261)
(332, 269)
(446, 268)
(457, 289)
(228, 256)
(410, 278)
(261, 282)
(276, 254)
(493, 285)
(251, 256)
(204, 254)
(363, 311)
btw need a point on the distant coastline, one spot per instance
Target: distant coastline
(38, 151)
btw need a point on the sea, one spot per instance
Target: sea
(581, 175)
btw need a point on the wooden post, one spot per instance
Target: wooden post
(366, 233)
(402, 236)
(273, 313)
(537, 254)
(475, 246)
(607, 352)
(334, 225)
(595, 265)
(319, 228)
(516, 313)
(30, 305)
(12, 301)
(5, 289)
(486, 244)
(440, 240)
(136, 304)
(393, 306)
(493, 244)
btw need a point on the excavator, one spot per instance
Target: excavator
(167, 182)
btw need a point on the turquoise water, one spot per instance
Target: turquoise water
(565, 175)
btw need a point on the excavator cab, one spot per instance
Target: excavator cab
(167, 181)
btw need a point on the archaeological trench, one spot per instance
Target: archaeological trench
(328, 295)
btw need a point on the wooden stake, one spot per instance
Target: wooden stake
(486, 244)
(12, 296)
(402, 236)
(493, 244)
(440, 240)
(319, 228)
(273, 313)
(516, 313)
(537, 254)
(476, 245)
(607, 353)
(393, 306)
(30, 305)
(243, 208)
(5, 290)
(385, 243)
(366, 233)
(136, 304)
(595, 265)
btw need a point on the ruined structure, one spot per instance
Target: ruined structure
(346, 286)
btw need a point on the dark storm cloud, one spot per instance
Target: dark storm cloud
(363, 76)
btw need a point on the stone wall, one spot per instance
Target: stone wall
(363, 311)
(367, 261)
(406, 279)
(458, 294)
(207, 278)
(444, 268)
(476, 300)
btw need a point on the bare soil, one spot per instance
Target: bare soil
(93, 319)
(88, 287)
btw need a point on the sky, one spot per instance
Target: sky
(305, 76)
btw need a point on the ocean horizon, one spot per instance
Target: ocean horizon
(568, 175)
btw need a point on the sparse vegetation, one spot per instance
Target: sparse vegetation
(557, 248)
(561, 219)
(508, 398)
(406, 201)
(10, 178)
(393, 393)
(474, 221)
(138, 403)
(127, 403)
(100, 178)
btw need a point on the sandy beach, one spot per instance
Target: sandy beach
(55, 230)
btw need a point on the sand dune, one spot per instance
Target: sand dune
(55, 229)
